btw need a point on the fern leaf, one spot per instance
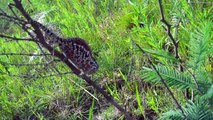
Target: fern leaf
(172, 115)
(208, 96)
(172, 77)
(198, 110)
(200, 47)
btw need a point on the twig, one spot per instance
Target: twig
(19, 64)
(84, 89)
(107, 96)
(15, 38)
(11, 8)
(175, 44)
(168, 31)
(162, 80)
(35, 76)
(47, 57)
(24, 54)
(195, 80)
(11, 18)
(16, 18)
(26, 64)
(61, 56)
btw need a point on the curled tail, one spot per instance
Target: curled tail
(49, 36)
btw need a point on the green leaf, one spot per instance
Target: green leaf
(91, 110)
(172, 77)
(198, 110)
(161, 53)
(200, 47)
(139, 100)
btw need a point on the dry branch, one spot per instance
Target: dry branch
(15, 38)
(162, 79)
(168, 31)
(177, 56)
(24, 54)
(27, 64)
(30, 76)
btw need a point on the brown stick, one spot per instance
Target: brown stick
(24, 54)
(175, 44)
(15, 38)
(168, 31)
(162, 80)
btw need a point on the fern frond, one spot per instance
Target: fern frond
(161, 53)
(172, 115)
(200, 46)
(208, 96)
(198, 110)
(204, 80)
(172, 77)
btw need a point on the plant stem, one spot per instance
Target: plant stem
(162, 80)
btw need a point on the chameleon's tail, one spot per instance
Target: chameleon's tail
(49, 36)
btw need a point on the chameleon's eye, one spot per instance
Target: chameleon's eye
(91, 62)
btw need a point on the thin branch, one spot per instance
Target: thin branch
(19, 64)
(15, 38)
(107, 96)
(195, 80)
(19, 6)
(4, 14)
(168, 31)
(47, 58)
(162, 80)
(35, 76)
(24, 54)
(27, 64)
(11, 6)
(11, 18)
(11, 9)
(175, 44)
(84, 89)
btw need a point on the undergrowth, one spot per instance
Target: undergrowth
(112, 28)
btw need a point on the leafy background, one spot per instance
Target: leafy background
(111, 27)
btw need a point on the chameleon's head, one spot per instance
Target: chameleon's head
(91, 66)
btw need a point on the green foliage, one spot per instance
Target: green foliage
(139, 100)
(198, 79)
(200, 46)
(91, 110)
(172, 77)
(208, 96)
(198, 110)
(110, 26)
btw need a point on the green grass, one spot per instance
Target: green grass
(109, 27)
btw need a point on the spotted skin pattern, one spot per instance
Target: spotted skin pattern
(76, 50)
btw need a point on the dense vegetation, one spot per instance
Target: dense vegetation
(33, 87)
